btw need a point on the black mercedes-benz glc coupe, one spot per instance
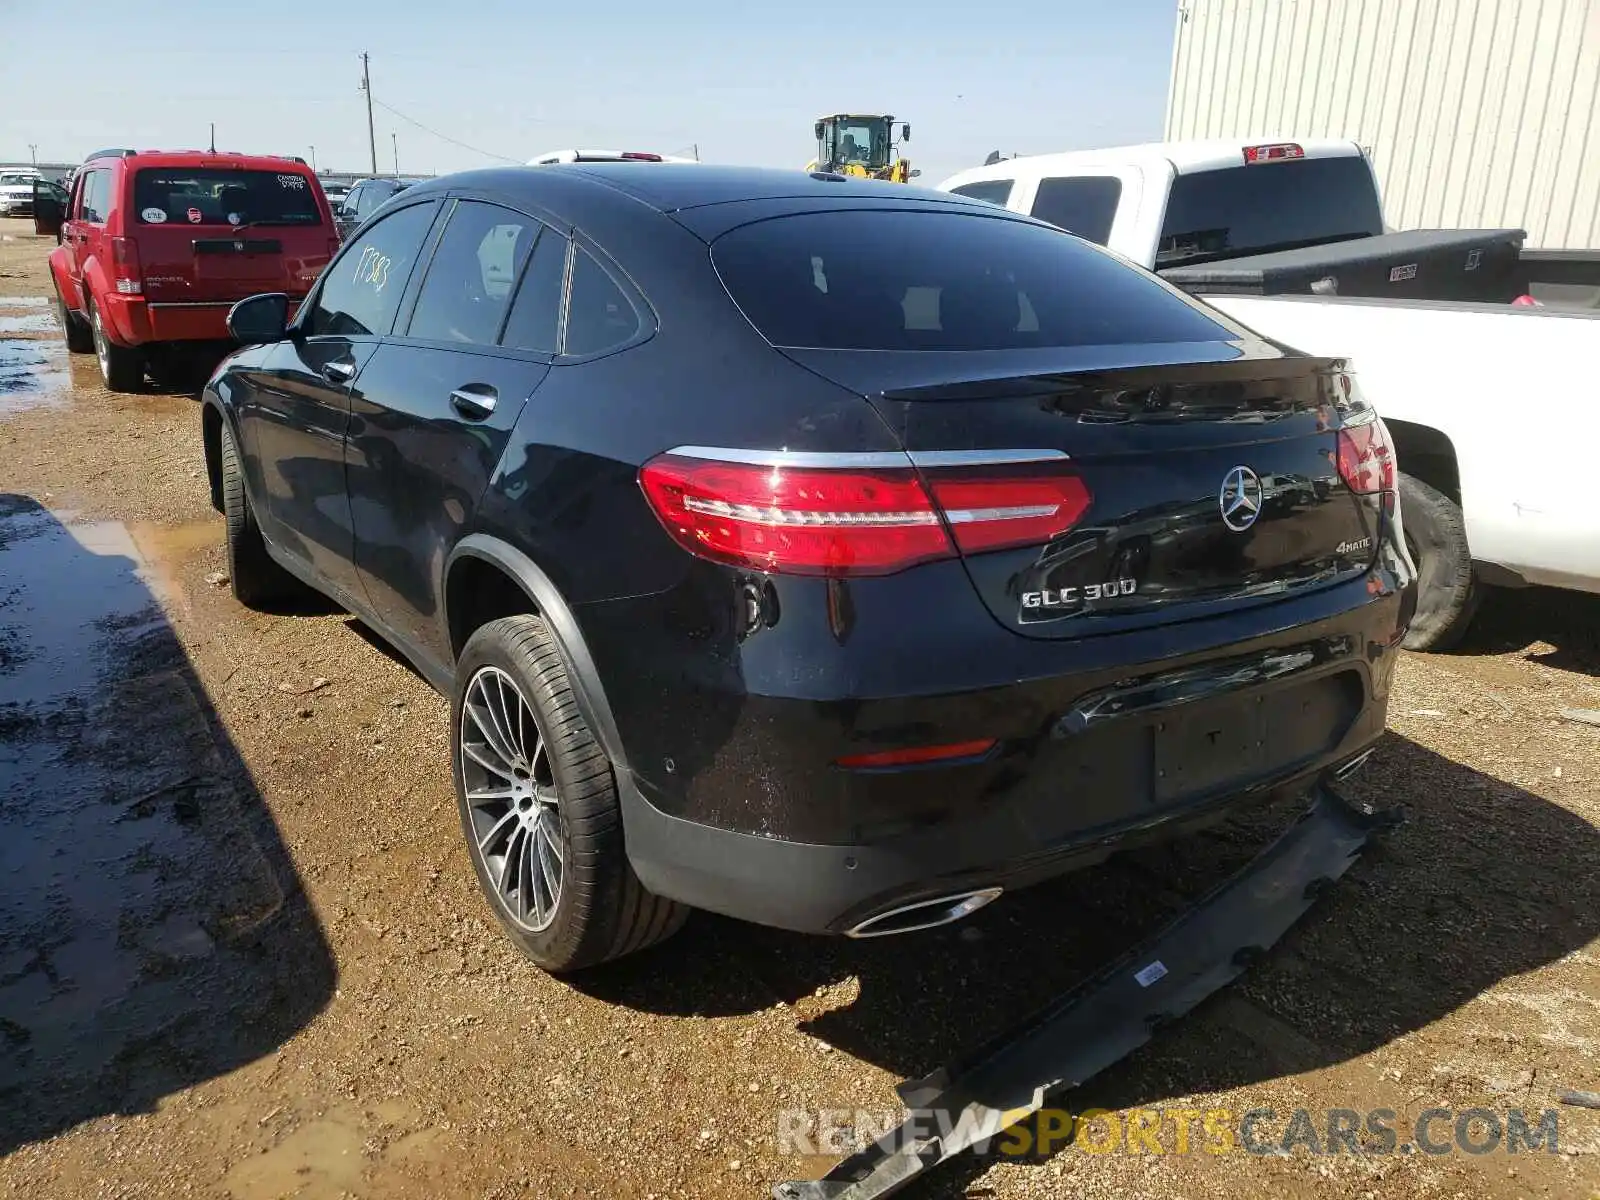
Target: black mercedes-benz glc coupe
(830, 554)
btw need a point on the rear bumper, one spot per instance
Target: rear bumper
(765, 829)
(135, 321)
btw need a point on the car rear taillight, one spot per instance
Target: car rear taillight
(853, 520)
(1273, 152)
(125, 273)
(1366, 457)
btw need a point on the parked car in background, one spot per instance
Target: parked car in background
(336, 192)
(16, 191)
(156, 246)
(827, 555)
(365, 198)
(1289, 237)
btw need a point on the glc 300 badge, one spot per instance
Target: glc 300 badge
(1068, 596)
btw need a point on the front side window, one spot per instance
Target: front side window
(1085, 205)
(361, 291)
(224, 196)
(96, 202)
(907, 280)
(468, 286)
(535, 320)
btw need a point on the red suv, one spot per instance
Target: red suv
(156, 246)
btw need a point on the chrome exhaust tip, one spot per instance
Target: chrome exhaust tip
(924, 914)
(1345, 770)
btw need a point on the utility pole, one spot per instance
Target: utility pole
(313, 160)
(33, 153)
(395, 139)
(213, 137)
(366, 86)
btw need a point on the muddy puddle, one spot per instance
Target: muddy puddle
(33, 372)
(144, 942)
(32, 322)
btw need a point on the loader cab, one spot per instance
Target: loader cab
(866, 142)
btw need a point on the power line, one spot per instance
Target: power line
(442, 136)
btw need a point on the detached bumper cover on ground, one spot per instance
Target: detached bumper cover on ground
(1111, 1015)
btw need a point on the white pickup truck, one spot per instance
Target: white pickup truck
(1477, 354)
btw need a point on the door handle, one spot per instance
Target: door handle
(338, 372)
(475, 401)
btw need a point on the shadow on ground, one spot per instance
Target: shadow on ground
(153, 932)
(1516, 618)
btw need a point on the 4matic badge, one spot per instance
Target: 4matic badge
(1353, 547)
(1070, 597)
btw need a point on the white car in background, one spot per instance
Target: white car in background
(16, 191)
(569, 156)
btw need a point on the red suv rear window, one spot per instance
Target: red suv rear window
(223, 196)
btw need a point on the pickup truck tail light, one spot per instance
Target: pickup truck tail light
(851, 519)
(1273, 152)
(125, 272)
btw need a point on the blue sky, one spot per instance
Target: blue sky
(744, 81)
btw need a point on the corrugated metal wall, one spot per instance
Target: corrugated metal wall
(1476, 112)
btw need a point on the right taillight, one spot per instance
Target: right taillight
(1366, 457)
(125, 272)
(811, 518)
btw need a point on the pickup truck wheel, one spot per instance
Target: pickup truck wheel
(539, 806)
(122, 367)
(80, 340)
(1447, 594)
(255, 578)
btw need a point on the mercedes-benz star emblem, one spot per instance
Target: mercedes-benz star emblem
(1240, 499)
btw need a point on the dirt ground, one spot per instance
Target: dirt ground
(242, 952)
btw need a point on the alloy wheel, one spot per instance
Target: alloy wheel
(102, 345)
(511, 794)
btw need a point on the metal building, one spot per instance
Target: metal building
(1476, 112)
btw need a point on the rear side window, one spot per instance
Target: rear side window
(1085, 205)
(468, 286)
(599, 315)
(995, 191)
(361, 291)
(223, 196)
(96, 197)
(1267, 206)
(898, 280)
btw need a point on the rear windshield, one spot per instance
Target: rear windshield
(224, 196)
(1278, 205)
(899, 280)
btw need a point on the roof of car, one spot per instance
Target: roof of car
(204, 158)
(672, 187)
(1201, 154)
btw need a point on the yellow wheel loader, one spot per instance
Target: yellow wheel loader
(863, 146)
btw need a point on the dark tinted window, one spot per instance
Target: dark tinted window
(942, 281)
(361, 291)
(468, 286)
(1084, 206)
(995, 191)
(1267, 206)
(598, 313)
(535, 319)
(223, 196)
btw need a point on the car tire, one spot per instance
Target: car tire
(256, 579)
(556, 809)
(1447, 593)
(121, 367)
(80, 339)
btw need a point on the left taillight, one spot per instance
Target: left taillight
(125, 272)
(849, 520)
(1366, 457)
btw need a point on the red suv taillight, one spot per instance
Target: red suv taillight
(1366, 457)
(849, 520)
(125, 273)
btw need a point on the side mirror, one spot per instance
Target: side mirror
(905, 133)
(817, 130)
(259, 319)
